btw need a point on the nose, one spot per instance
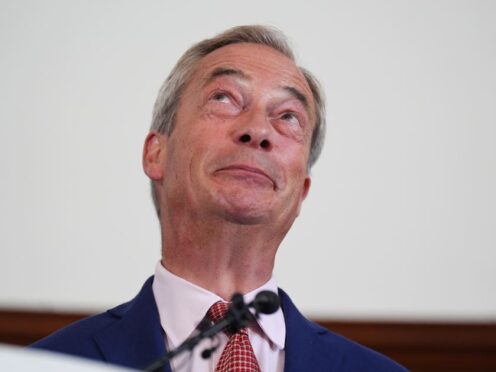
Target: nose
(247, 138)
(254, 132)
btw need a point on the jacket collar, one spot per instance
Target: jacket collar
(136, 338)
(304, 347)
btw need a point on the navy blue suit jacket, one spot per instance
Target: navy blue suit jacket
(131, 335)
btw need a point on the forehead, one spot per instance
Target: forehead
(260, 63)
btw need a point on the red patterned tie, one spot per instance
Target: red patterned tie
(238, 355)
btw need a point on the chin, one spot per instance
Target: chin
(241, 206)
(246, 214)
(245, 219)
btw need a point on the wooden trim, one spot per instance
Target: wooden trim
(423, 346)
(21, 327)
(419, 346)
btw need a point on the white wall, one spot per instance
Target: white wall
(400, 222)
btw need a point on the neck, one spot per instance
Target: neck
(217, 255)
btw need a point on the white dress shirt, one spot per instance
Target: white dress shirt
(182, 306)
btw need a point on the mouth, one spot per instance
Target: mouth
(246, 171)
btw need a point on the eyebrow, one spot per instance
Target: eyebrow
(225, 71)
(298, 95)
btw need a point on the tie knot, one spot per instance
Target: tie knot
(218, 311)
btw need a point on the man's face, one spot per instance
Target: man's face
(240, 144)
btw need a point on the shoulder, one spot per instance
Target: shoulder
(310, 345)
(353, 356)
(81, 337)
(78, 338)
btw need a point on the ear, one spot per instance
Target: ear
(154, 155)
(304, 192)
(306, 187)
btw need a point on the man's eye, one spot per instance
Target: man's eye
(290, 117)
(221, 97)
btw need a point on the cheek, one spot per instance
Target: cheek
(179, 154)
(211, 123)
(294, 156)
(194, 154)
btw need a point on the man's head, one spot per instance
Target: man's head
(216, 61)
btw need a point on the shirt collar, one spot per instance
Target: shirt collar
(179, 318)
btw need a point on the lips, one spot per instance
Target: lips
(242, 168)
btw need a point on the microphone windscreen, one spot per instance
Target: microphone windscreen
(266, 302)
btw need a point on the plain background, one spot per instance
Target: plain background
(400, 222)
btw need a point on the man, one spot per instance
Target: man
(236, 127)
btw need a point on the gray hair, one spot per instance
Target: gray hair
(165, 108)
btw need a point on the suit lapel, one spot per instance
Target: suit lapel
(304, 349)
(136, 338)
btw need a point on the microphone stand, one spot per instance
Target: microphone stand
(236, 318)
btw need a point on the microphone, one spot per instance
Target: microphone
(238, 315)
(265, 302)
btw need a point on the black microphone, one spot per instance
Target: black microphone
(265, 302)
